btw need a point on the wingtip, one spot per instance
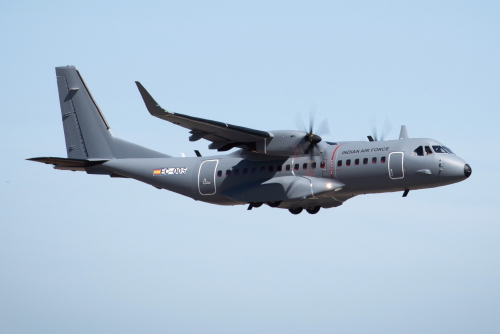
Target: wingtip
(153, 107)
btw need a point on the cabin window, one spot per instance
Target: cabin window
(219, 173)
(304, 166)
(339, 163)
(279, 168)
(236, 171)
(365, 161)
(322, 164)
(271, 168)
(228, 172)
(288, 168)
(296, 167)
(348, 162)
(419, 151)
(356, 162)
(382, 160)
(254, 170)
(374, 160)
(245, 170)
(262, 169)
(313, 165)
(428, 150)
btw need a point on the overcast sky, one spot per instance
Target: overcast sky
(91, 254)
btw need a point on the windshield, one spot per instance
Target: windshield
(439, 149)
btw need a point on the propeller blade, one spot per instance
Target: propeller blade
(308, 149)
(312, 116)
(299, 124)
(312, 139)
(373, 127)
(311, 152)
(386, 129)
(323, 128)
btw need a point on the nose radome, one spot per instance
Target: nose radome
(467, 170)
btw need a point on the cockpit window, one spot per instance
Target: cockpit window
(439, 149)
(419, 151)
(448, 150)
(428, 150)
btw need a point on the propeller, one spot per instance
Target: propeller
(312, 138)
(386, 128)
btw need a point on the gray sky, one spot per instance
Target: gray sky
(82, 253)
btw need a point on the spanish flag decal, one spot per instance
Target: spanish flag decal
(157, 172)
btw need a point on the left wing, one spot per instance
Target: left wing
(222, 135)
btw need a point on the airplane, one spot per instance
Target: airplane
(286, 169)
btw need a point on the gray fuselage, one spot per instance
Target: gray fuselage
(363, 167)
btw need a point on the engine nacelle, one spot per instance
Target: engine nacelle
(285, 142)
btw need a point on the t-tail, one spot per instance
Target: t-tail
(87, 133)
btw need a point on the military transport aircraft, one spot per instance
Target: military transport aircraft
(285, 169)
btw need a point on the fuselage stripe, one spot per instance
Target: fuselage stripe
(331, 162)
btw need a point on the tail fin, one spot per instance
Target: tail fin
(87, 133)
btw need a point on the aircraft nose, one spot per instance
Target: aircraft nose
(467, 170)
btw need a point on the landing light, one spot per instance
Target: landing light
(329, 186)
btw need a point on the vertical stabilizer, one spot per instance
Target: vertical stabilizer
(85, 129)
(87, 134)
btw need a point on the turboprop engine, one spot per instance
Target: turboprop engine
(290, 142)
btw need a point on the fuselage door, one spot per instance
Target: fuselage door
(206, 177)
(396, 169)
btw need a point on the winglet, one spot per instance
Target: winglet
(404, 132)
(153, 107)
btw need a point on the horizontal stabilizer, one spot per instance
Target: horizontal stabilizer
(68, 162)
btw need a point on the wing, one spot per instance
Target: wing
(222, 135)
